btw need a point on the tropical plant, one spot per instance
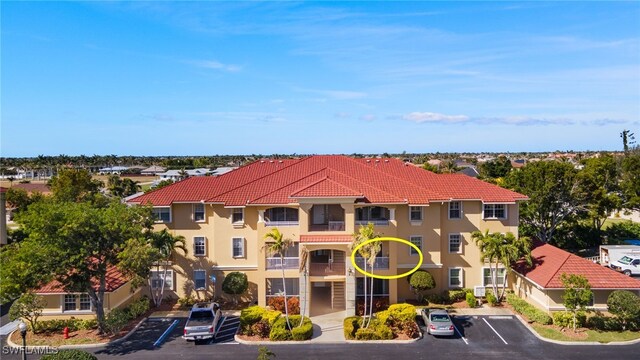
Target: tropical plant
(577, 294)
(29, 306)
(625, 306)
(364, 234)
(278, 245)
(421, 281)
(235, 283)
(166, 244)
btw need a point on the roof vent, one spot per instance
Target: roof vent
(368, 160)
(280, 161)
(271, 161)
(377, 160)
(387, 160)
(261, 161)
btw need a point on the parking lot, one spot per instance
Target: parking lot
(488, 332)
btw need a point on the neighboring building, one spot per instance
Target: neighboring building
(175, 175)
(153, 170)
(222, 170)
(3, 216)
(62, 304)
(117, 170)
(319, 202)
(541, 285)
(470, 171)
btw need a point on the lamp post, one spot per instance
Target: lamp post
(23, 331)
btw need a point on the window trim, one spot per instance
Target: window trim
(499, 268)
(195, 287)
(459, 244)
(160, 221)
(204, 238)
(506, 212)
(421, 214)
(80, 303)
(170, 274)
(233, 242)
(421, 244)
(204, 213)
(459, 209)
(65, 302)
(233, 212)
(461, 276)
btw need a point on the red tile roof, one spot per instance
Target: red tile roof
(551, 262)
(383, 181)
(114, 280)
(325, 238)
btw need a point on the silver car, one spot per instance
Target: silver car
(438, 322)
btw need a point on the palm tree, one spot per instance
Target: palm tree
(489, 245)
(513, 249)
(304, 254)
(279, 247)
(365, 233)
(166, 244)
(374, 249)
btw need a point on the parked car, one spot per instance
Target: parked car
(628, 264)
(438, 322)
(203, 321)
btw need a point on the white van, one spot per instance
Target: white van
(628, 264)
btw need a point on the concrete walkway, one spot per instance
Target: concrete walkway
(483, 310)
(328, 328)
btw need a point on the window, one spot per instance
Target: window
(455, 277)
(275, 288)
(237, 216)
(487, 276)
(455, 210)
(162, 214)
(85, 302)
(199, 246)
(200, 279)
(417, 241)
(281, 214)
(198, 212)
(238, 247)
(494, 211)
(374, 214)
(455, 243)
(69, 302)
(156, 279)
(415, 213)
(380, 287)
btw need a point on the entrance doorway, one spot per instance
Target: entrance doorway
(326, 297)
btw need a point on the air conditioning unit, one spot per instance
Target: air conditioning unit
(479, 291)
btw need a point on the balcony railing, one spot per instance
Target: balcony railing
(374, 222)
(280, 223)
(278, 263)
(326, 269)
(381, 263)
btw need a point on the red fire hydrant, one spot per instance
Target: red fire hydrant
(65, 332)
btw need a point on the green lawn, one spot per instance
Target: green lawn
(610, 222)
(592, 335)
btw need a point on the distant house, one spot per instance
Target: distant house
(470, 171)
(153, 170)
(175, 175)
(222, 170)
(62, 304)
(540, 284)
(113, 170)
(518, 163)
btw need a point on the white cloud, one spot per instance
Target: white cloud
(429, 117)
(335, 94)
(215, 65)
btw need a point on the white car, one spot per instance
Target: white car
(203, 321)
(628, 265)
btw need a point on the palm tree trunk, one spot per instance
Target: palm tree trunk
(364, 309)
(304, 304)
(284, 288)
(371, 300)
(164, 279)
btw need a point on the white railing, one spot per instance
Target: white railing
(374, 222)
(336, 225)
(280, 223)
(595, 259)
(381, 263)
(277, 263)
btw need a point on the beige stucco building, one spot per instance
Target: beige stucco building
(319, 202)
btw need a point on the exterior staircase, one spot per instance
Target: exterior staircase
(337, 300)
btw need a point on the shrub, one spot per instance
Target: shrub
(421, 281)
(71, 354)
(235, 283)
(397, 313)
(116, 320)
(439, 299)
(565, 319)
(456, 295)
(52, 326)
(304, 332)
(603, 323)
(28, 306)
(271, 316)
(262, 328)
(277, 303)
(376, 331)
(187, 302)
(350, 327)
(88, 324)
(528, 310)
(471, 300)
(279, 331)
(492, 299)
(279, 334)
(250, 316)
(625, 306)
(409, 328)
(138, 307)
(379, 304)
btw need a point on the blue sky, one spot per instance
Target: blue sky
(204, 78)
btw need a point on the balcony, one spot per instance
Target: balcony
(327, 269)
(276, 263)
(280, 223)
(330, 226)
(380, 222)
(381, 263)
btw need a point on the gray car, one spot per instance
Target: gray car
(438, 322)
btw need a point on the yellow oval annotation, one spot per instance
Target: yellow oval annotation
(388, 277)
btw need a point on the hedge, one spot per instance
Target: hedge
(279, 331)
(72, 323)
(350, 327)
(252, 315)
(397, 313)
(528, 310)
(565, 319)
(71, 354)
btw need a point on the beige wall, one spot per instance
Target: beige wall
(121, 297)
(434, 229)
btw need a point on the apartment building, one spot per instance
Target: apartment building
(319, 202)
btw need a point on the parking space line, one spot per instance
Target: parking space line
(166, 333)
(459, 333)
(494, 330)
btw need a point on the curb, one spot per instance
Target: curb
(246, 342)
(558, 342)
(79, 346)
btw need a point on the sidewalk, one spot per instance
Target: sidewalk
(484, 310)
(328, 328)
